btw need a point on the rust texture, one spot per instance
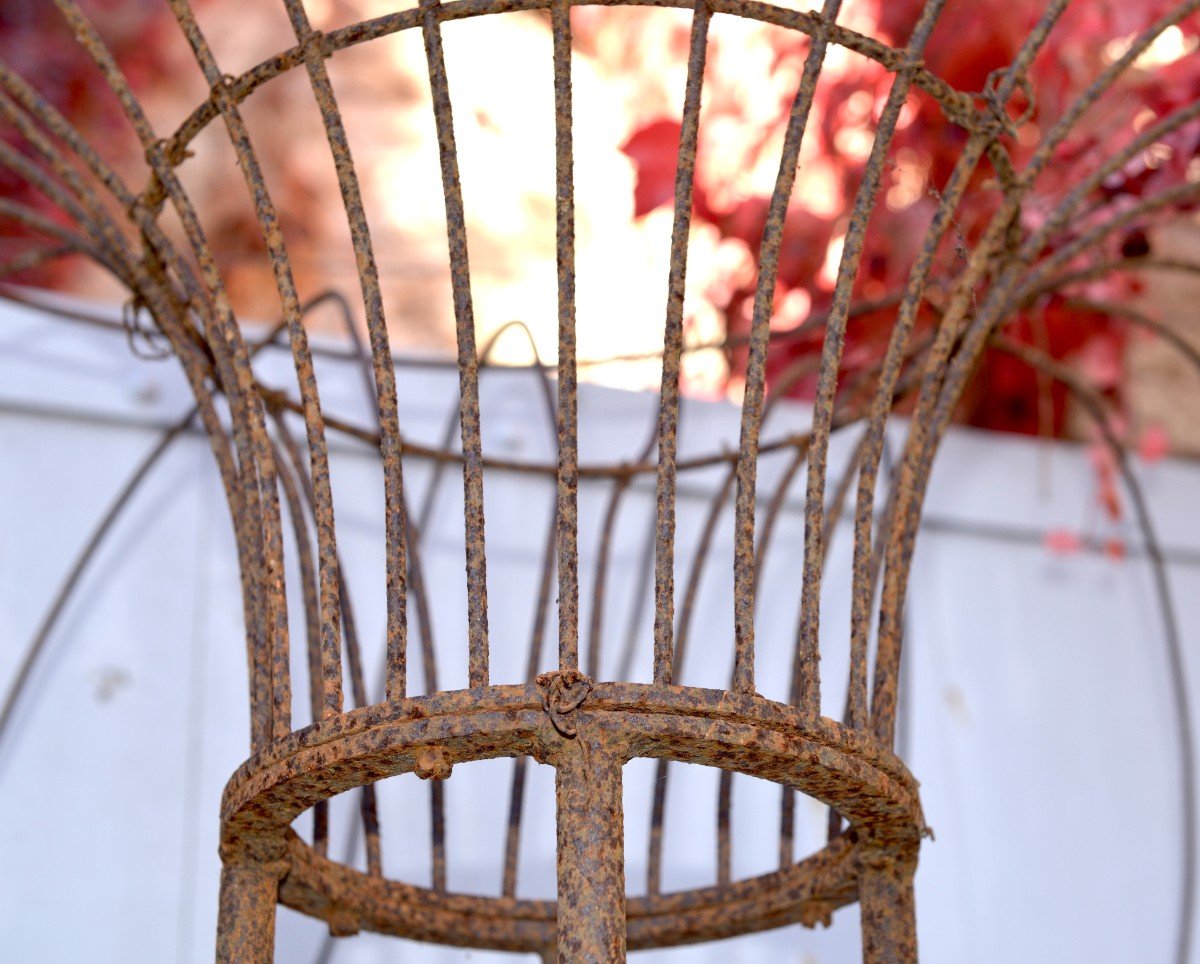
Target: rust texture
(249, 894)
(668, 409)
(885, 893)
(271, 447)
(591, 848)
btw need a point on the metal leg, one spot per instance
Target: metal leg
(246, 926)
(885, 897)
(591, 853)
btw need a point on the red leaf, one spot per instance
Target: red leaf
(654, 150)
(1154, 443)
(1109, 498)
(1062, 542)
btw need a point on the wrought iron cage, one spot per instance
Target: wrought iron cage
(587, 728)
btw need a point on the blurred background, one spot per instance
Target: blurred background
(629, 69)
(1039, 718)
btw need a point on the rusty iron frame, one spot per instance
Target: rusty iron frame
(585, 727)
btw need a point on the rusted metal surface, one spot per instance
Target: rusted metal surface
(668, 408)
(885, 895)
(427, 735)
(583, 725)
(249, 894)
(591, 845)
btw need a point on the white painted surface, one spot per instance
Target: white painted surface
(1039, 717)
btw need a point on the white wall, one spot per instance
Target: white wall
(1039, 710)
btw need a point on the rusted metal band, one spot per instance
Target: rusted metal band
(805, 893)
(428, 734)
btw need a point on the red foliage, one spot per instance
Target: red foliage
(37, 44)
(965, 49)
(653, 149)
(1154, 444)
(1062, 542)
(747, 97)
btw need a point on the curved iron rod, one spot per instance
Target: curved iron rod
(808, 696)
(384, 396)
(124, 496)
(468, 360)
(669, 404)
(1180, 695)
(318, 450)
(752, 403)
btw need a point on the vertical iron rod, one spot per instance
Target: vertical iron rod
(246, 911)
(668, 406)
(752, 404)
(468, 360)
(591, 850)
(568, 391)
(887, 909)
(396, 585)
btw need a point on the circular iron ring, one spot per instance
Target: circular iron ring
(864, 782)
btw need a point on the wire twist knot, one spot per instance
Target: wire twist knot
(562, 693)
